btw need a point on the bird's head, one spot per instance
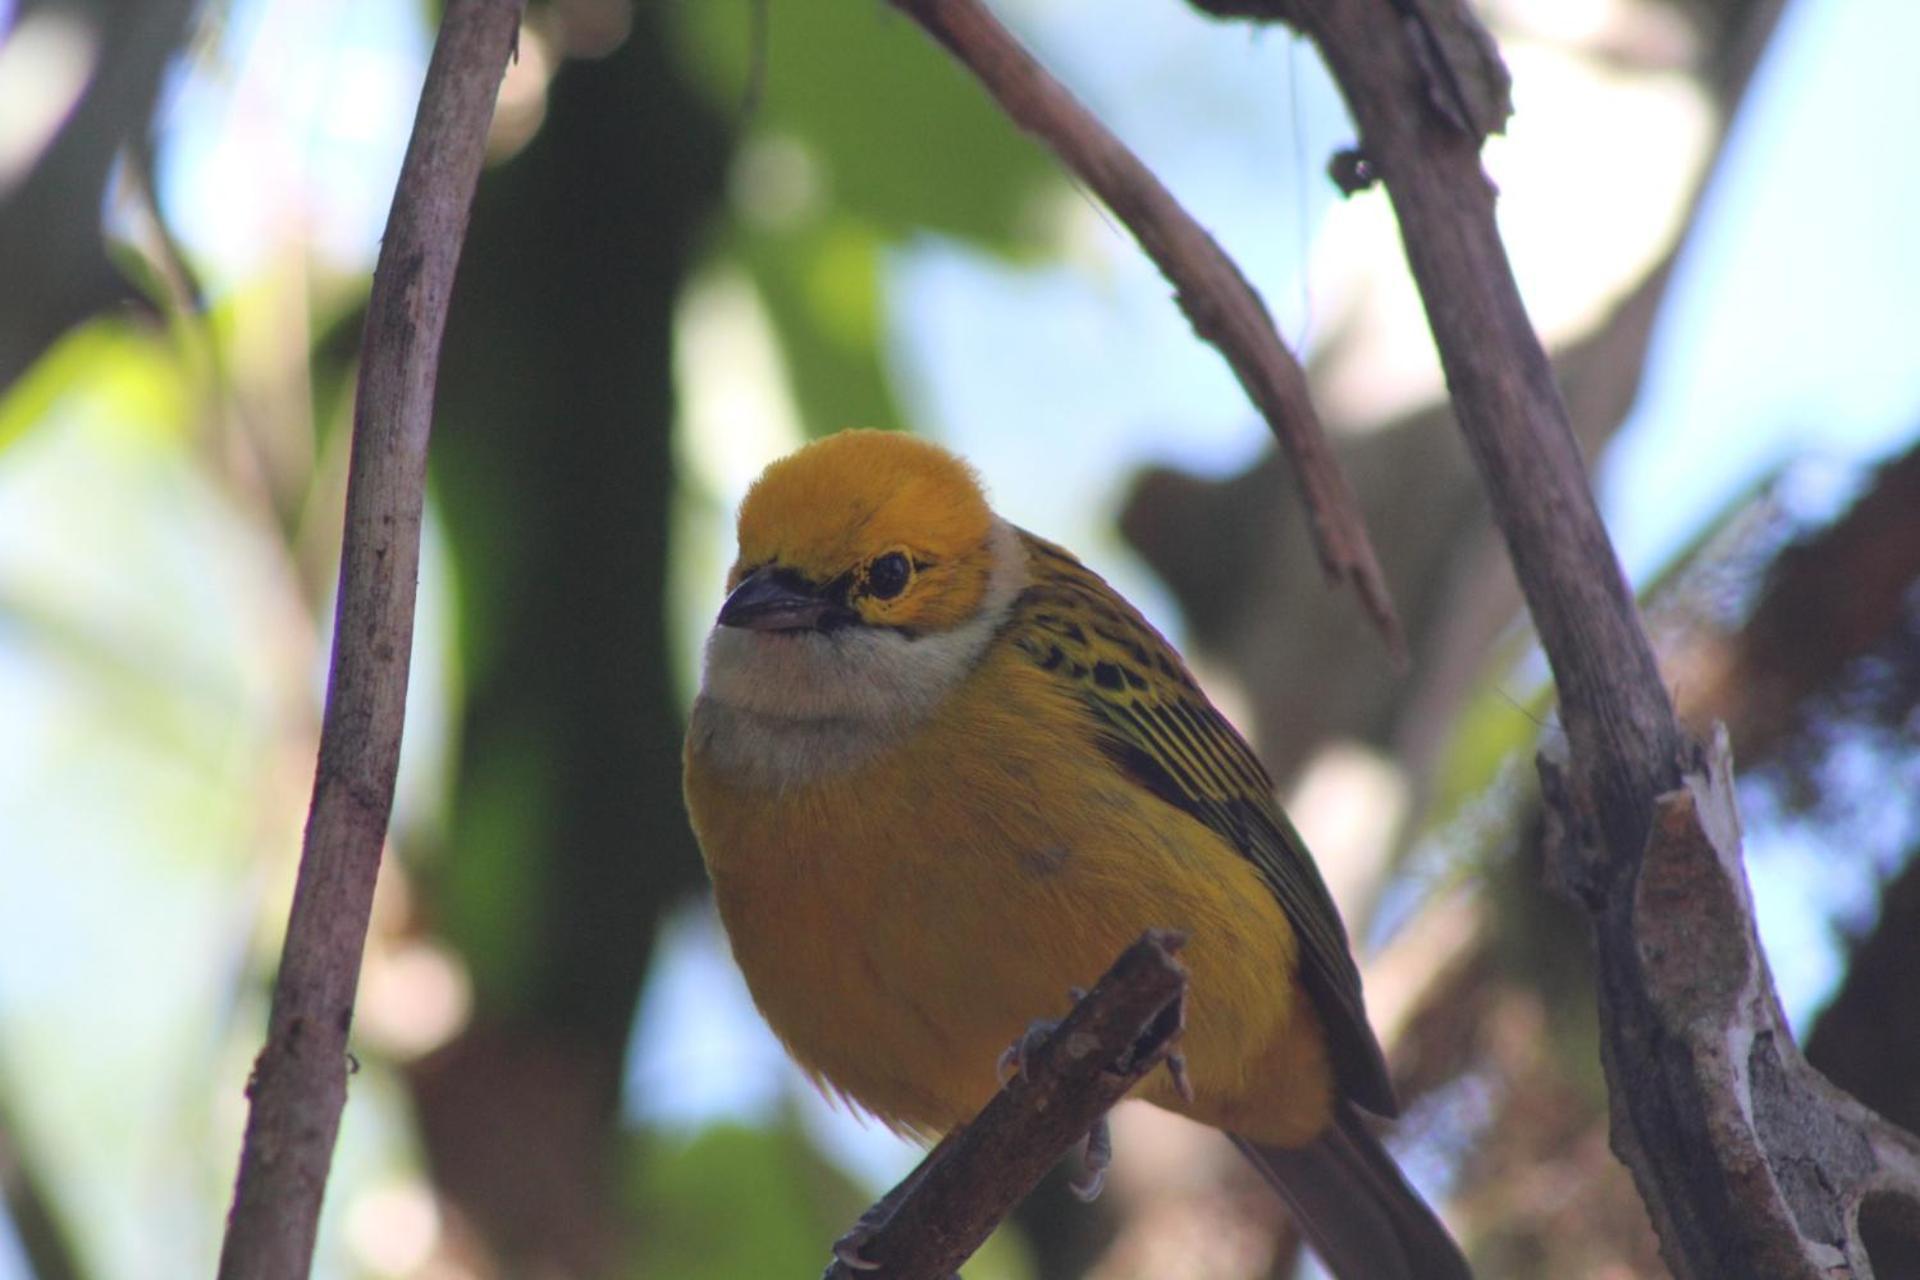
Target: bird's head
(872, 575)
(862, 529)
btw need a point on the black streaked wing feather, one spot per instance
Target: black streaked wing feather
(1160, 730)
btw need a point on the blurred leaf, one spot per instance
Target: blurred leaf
(510, 793)
(823, 297)
(899, 131)
(123, 368)
(152, 671)
(739, 1202)
(1494, 727)
(734, 1201)
(864, 134)
(110, 528)
(40, 1236)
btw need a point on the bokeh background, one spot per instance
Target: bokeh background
(711, 229)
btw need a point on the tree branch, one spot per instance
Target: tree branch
(299, 1081)
(1749, 1162)
(1114, 1038)
(1222, 307)
(1615, 709)
(51, 238)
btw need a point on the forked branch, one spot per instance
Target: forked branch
(1750, 1163)
(1222, 307)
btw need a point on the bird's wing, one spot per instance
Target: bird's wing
(1157, 726)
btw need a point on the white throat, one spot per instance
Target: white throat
(782, 708)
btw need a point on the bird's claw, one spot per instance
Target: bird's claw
(1097, 1147)
(847, 1250)
(1013, 1059)
(1096, 1153)
(1177, 1069)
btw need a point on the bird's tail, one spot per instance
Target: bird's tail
(1354, 1206)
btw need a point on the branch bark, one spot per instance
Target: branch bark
(1116, 1036)
(298, 1086)
(58, 272)
(1218, 301)
(1750, 1163)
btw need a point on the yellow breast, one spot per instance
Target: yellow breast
(903, 920)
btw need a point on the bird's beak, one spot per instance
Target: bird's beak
(770, 599)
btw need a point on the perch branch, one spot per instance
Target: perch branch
(299, 1081)
(1218, 301)
(1114, 1037)
(1750, 1163)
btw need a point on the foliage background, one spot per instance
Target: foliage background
(686, 258)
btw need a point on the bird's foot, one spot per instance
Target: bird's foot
(1096, 1149)
(850, 1250)
(1013, 1059)
(847, 1250)
(1096, 1153)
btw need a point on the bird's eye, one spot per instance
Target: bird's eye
(887, 577)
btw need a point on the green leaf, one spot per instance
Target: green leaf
(864, 133)
(123, 370)
(902, 135)
(822, 293)
(735, 1201)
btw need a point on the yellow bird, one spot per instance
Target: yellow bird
(942, 772)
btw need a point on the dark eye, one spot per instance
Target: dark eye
(887, 577)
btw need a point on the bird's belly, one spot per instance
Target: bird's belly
(897, 987)
(898, 936)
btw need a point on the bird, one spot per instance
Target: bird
(941, 773)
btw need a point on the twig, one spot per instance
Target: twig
(58, 270)
(299, 1081)
(1749, 1162)
(1222, 307)
(1114, 1037)
(1615, 708)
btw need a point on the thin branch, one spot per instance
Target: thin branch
(1114, 1038)
(1613, 704)
(299, 1081)
(1222, 307)
(1749, 1162)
